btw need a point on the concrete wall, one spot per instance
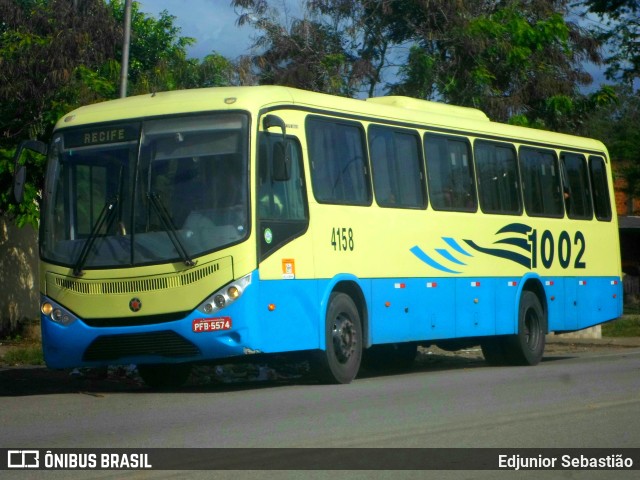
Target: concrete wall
(591, 332)
(19, 296)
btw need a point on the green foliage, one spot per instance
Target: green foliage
(621, 33)
(506, 58)
(419, 74)
(24, 355)
(156, 47)
(335, 46)
(627, 326)
(616, 122)
(216, 71)
(613, 116)
(521, 120)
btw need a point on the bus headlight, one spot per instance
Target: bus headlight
(56, 313)
(225, 296)
(219, 300)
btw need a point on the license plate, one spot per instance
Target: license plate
(211, 324)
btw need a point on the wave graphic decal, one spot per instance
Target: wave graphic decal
(418, 252)
(448, 258)
(446, 254)
(521, 242)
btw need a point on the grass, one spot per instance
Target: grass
(626, 326)
(23, 347)
(24, 355)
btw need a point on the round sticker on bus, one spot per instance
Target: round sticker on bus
(268, 236)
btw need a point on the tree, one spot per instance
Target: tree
(507, 58)
(618, 127)
(157, 58)
(56, 55)
(616, 124)
(42, 44)
(622, 35)
(520, 60)
(314, 52)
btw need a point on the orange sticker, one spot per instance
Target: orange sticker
(288, 268)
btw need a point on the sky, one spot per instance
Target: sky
(211, 22)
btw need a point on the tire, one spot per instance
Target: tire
(494, 351)
(340, 361)
(393, 356)
(527, 346)
(165, 376)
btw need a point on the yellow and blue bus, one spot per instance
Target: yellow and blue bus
(223, 223)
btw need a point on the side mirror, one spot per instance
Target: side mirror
(274, 121)
(281, 162)
(20, 171)
(281, 159)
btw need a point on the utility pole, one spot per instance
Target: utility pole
(124, 69)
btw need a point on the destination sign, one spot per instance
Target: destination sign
(101, 135)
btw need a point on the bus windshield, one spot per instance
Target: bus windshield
(146, 192)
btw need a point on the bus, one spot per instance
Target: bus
(233, 223)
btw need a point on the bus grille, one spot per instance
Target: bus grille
(135, 321)
(164, 344)
(91, 287)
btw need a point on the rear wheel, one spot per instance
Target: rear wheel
(525, 347)
(165, 376)
(340, 361)
(493, 350)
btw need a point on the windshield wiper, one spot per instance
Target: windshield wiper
(107, 213)
(170, 228)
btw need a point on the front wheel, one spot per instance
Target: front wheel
(340, 361)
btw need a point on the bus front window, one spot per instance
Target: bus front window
(174, 189)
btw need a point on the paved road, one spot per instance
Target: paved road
(583, 399)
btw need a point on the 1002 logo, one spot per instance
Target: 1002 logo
(563, 248)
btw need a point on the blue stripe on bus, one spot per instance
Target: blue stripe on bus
(456, 246)
(446, 254)
(418, 252)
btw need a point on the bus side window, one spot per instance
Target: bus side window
(450, 173)
(576, 189)
(601, 199)
(398, 177)
(339, 172)
(541, 182)
(280, 196)
(498, 183)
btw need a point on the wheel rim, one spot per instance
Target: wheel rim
(344, 336)
(532, 328)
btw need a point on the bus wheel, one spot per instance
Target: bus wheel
(494, 351)
(527, 346)
(340, 361)
(392, 356)
(165, 376)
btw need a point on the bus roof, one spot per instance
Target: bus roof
(396, 109)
